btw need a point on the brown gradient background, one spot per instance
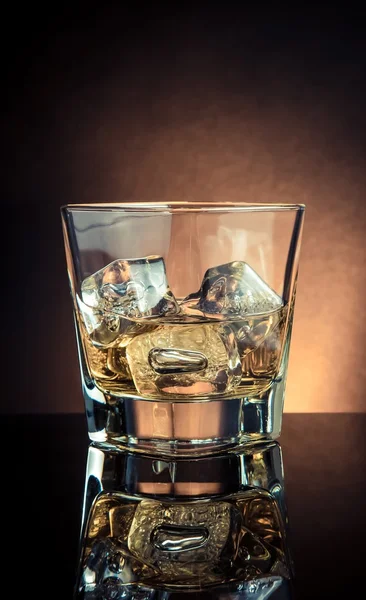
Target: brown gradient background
(195, 104)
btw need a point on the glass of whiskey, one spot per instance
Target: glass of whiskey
(183, 317)
(159, 529)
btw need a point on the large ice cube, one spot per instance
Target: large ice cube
(193, 360)
(124, 290)
(108, 330)
(185, 541)
(109, 570)
(132, 288)
(233, 289)
(254, 331)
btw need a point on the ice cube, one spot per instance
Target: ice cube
(124, 290)
(99, 522)
(254, 331)
(111, 590)
(96, 562)
(109, 563)
(107, 330)
(263, 536)
(184, 540)
(131, 288)
(260, 588)
(233, 289)
(264, 360)
(193, 360)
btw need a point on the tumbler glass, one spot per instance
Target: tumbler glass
(183, 315)
(162, 528)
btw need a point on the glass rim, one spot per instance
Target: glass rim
(181, 207)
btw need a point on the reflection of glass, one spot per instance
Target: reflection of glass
(183, 317)
(153, 528)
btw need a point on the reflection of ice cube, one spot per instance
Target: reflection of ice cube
(262, 540)
(232, 289)
(191, 360)
(236, 545)
(110, 568)
(261, 588)
(182, 540)
(115, 591)
(135, 288)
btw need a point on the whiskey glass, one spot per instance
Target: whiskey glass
(183, 316)
(162, 528)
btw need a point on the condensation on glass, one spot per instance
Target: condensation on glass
(183, 318)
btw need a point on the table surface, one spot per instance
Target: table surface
(44, 459)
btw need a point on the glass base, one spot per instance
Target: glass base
(159, 529)
(185, 428)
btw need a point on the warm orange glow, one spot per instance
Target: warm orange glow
(156, 416)
(189, 488)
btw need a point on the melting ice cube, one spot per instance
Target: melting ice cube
(232, 289)
(183, 541)
(194, 360)
(135, 288)
(123, 290)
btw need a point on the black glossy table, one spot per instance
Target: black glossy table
(43, 467)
